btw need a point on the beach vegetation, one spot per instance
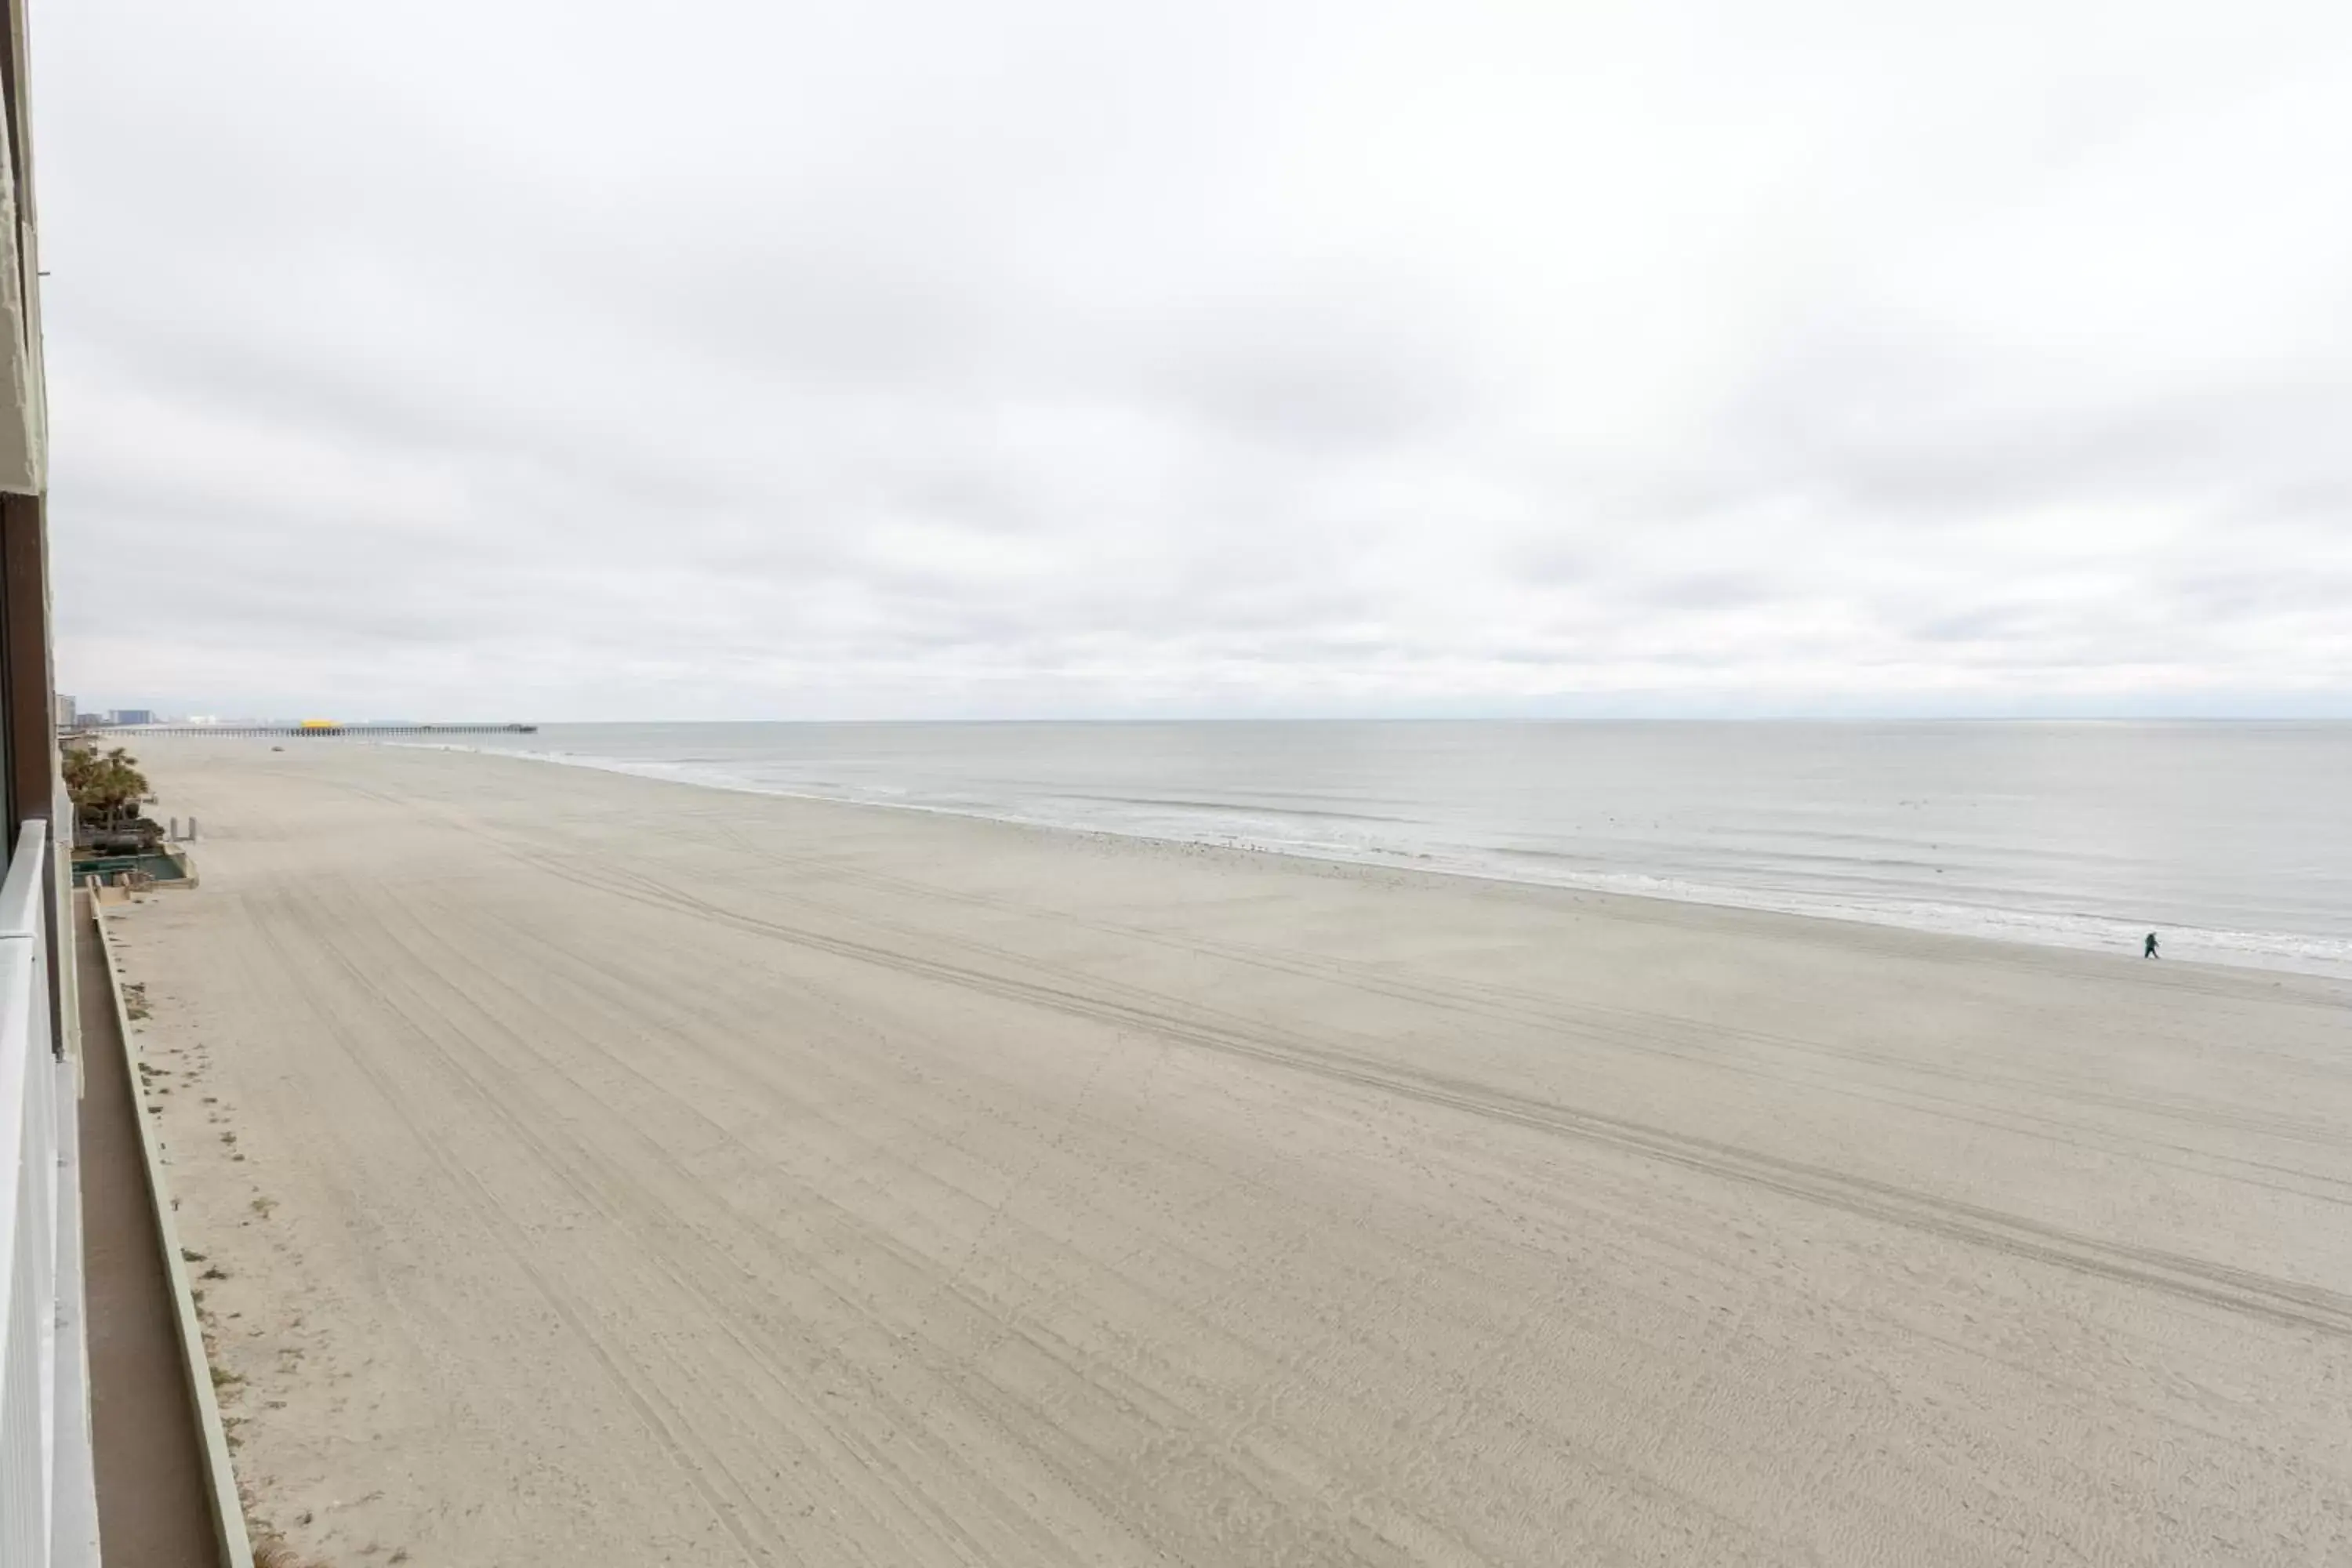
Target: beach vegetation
(107, 786)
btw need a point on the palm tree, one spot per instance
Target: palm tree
(106, 788)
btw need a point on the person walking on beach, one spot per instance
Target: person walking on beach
(2150, 951)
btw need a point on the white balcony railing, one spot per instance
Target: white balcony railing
(48, 1517)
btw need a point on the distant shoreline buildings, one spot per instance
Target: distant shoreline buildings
(146, 720)
(69, 716)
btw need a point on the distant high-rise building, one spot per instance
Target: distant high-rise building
(66, 711)
(133, 716)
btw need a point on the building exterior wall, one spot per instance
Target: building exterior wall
(48, 1516)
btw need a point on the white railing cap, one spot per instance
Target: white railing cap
(21, 902)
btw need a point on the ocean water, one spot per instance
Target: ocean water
(2232, 840)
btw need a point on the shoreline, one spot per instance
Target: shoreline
(1982, 922)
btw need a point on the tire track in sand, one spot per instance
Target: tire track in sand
(2287, 1303)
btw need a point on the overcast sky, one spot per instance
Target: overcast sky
(913, 358)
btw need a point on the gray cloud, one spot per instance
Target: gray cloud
(914, 359)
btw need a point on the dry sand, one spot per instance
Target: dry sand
(597, 1171)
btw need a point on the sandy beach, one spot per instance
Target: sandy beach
(592, 1170)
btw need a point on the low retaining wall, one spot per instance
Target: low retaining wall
(233, 1548)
